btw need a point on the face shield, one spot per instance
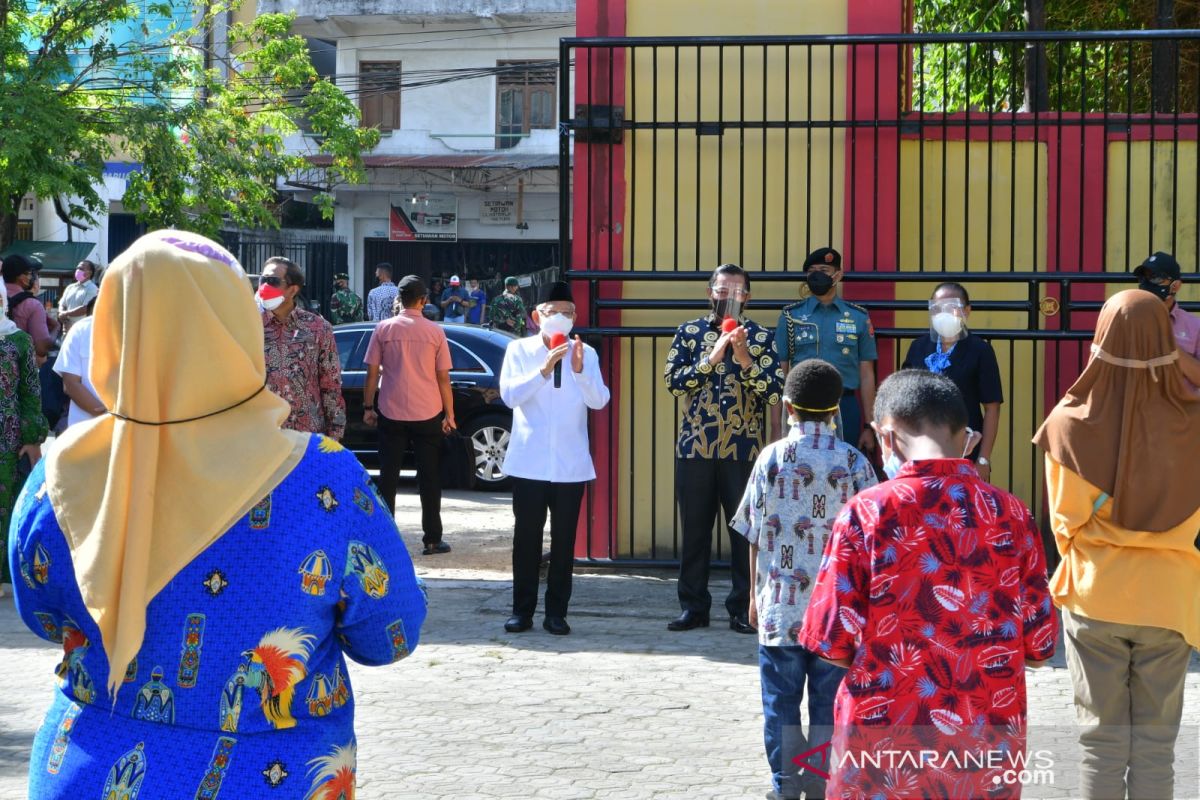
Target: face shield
(947, 320)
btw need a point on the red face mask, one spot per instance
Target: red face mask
(270, 297)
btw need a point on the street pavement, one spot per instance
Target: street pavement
(619, 709)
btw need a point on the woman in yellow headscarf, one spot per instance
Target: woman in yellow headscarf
(204, 570)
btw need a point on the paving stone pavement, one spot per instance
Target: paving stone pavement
(619, 709)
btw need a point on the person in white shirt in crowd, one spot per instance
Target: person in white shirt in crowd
(73, 365)
(550, 391)
(77, 298)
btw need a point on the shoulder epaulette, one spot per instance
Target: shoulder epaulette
(788, 308)
(856, 305)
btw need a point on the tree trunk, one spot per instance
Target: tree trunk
(1164, 72)
(1037, 80)
(10, 211)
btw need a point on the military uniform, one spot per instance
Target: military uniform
(840, 333)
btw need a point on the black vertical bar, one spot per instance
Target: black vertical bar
(1058, 146)
(921, 163)
(675, 196)
(699, 147)
(829, 134)
(967, 139)
(787, 149)
(905, 101)
(763, 209)
(1153, 152)
(1012, 172)
(564, 153)
(1064, 304)
(614, 474)
(946, 108)
(654, 448)
(1104, 152)
(1175, 156)
(720, 148)
(849, 244)
(633, 448)
(631, 115)
(991, 134)
(742, 154)
(1037, 151)
(611, 126)
(591, 168)
(808, 133)
(1012, 412)
(1083, 137)
(875, 166)
(1128, 148)
(654, 165)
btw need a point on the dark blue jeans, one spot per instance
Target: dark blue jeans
(785, 671)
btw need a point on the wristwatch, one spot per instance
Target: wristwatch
(983, 462)
(368, 408)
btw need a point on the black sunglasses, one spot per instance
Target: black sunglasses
(278, 283)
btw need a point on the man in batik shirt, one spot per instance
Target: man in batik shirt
(345, 306)
(933, 593)
(301, 354)
(508, 310)
(728, 378)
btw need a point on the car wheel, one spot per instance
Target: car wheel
(490, 435)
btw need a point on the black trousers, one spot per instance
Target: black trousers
(702, 487)
(426, 439)
(531, 501)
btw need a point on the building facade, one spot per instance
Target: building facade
(465, 94)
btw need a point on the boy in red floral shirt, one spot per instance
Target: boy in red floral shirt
(933, 593)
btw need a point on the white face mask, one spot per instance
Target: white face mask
(947, 325)
(555, 323)
(270, 305)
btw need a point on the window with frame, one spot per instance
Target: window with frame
(525, 100)
(379, 94)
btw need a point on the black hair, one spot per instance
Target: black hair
(292, 273)
(17, 265)
(92, 265)
(921, 400)
(813, 383)
(729, 269)
(954, 287)
(384, 266)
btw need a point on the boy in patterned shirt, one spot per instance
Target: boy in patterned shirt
(797, 487)
(933, 592)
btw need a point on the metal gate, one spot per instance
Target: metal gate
(1037, 169)
(321, 256)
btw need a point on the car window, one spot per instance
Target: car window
(463, 360)
(347, 344)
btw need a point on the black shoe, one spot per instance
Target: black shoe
(774, 795)
(556, 625)
(435, 548)
(741, 624)
(518, 624)
(688, 620)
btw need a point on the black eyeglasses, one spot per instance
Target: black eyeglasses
(278, 283)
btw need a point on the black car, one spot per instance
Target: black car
(476, 355)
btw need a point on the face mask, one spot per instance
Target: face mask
(729, 307)
(80, 275)
(819, 283)
(947, 325)
(555, 323)
(270, 298)
(892, 464)
(1163, 292)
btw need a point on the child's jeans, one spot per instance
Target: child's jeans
(785, 671)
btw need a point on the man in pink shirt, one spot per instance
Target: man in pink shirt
(416, 403)
(1160, 275)
(26, 309)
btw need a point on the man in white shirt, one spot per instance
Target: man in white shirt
(74, 359)
(550, 392)
(73, 306)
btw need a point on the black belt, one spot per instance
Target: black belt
(850, 393)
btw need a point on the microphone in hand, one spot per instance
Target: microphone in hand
(557, 340)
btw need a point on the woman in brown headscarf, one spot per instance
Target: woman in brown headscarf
(1121, 452)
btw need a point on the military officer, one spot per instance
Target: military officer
(826, 326)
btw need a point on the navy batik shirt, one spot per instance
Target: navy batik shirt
(240, 686)
(726, 413)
